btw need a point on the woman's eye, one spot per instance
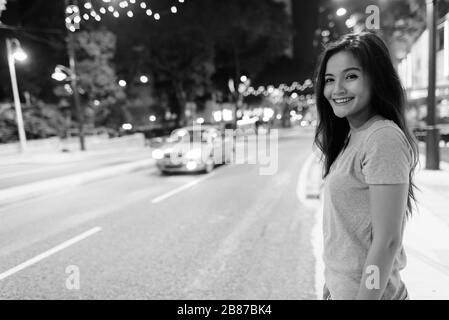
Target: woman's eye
(328, 80)
(351, 76)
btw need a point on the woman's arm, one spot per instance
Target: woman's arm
(388, 206)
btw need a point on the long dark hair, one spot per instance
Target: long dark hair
(387, 99)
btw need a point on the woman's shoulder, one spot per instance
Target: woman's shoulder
(383, 129)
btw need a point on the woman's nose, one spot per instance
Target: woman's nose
(339, 88)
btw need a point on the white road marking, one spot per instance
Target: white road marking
(317, 235)
(49, 253)
(182, 188)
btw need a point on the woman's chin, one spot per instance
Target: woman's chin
(340, 114)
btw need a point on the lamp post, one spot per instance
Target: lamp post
(73, 78)
(432, 136)
(15, 52)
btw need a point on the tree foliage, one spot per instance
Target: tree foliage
(98, 81)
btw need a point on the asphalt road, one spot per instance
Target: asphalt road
(232, 234)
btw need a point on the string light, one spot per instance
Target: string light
(91, 10)
(282, 88)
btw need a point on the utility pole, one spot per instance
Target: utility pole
(74, 80)
(432, 136)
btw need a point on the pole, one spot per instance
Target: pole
(15, 91)
(432, 137)
(74, 83)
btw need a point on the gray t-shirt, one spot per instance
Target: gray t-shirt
(377, 153)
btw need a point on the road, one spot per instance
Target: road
(232, 234)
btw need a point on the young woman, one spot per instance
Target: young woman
(369, 157)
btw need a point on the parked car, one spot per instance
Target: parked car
(192, 149)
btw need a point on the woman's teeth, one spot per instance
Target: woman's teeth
(342, 101)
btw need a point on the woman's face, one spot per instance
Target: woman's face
(347, 88)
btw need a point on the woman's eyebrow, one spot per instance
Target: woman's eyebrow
(345, 70)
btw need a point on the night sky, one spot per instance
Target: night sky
(41, 31)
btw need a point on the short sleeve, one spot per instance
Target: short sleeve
(387, 157)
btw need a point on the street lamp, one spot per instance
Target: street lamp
(62, 73)
(15, 52)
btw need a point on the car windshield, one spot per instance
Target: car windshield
(183, 135)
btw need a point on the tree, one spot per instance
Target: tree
(197, 50)
(97, 78)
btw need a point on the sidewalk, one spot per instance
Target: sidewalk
(426, 238)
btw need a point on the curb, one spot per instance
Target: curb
(36, 189)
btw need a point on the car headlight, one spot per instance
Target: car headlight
(157, 154)
(193, 154)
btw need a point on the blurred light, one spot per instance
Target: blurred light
(191, 165)
(303, 123)
(217, 116)
(181, 1)
(123, 4)
(157, 154)
(294, 95)
(88, 5)
(293, 113)
(122, 83)
(127, 126)
(341, 12)
(111, 9)
(243, 78)
(77, 19)
(351, 22)
(58, 75)
(116, 14)
(200, 120)
(93, 14)
(174, 9)
(130, 14)
(72, 29)
(86, 16)
(149, 12)
(68, 10)
(143, 5)
(132, 1)
(102, 10)
(152, 118)
(325, 33)
(96, 103)
(19, 54)
(107, 1)
(279, 117)
(143, 79)
(97, 18)
(157, 16)
(227, 115)
(68, 88)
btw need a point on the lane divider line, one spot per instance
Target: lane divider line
(49, 253)
(182, 188)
